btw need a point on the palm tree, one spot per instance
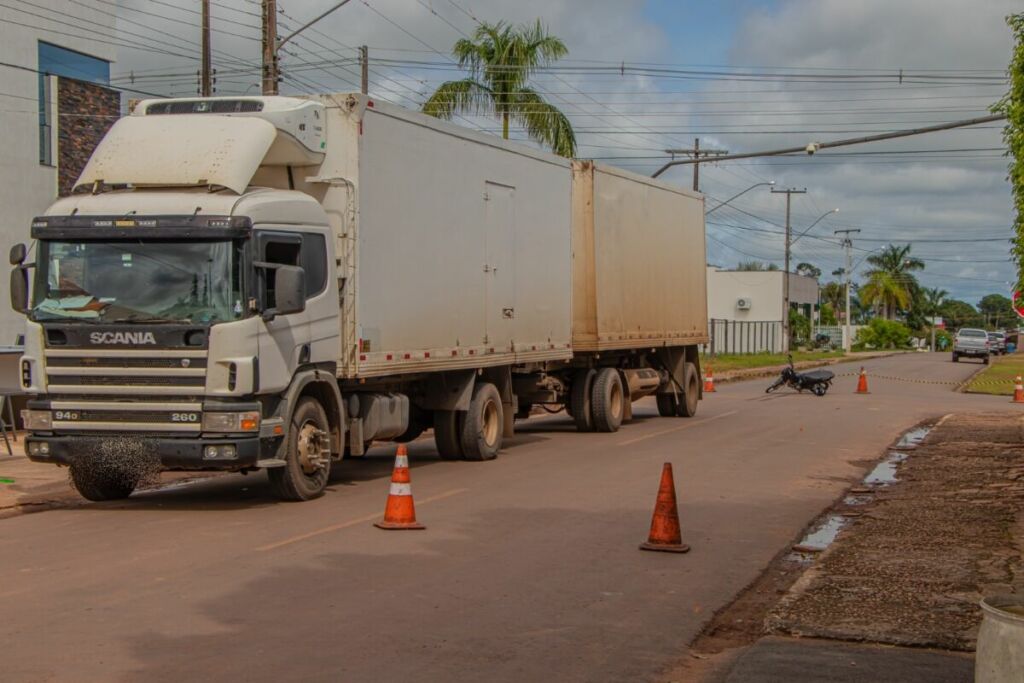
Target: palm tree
(500, 59)
(933, 300)
(891, 283)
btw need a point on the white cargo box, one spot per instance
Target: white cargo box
(455, 244)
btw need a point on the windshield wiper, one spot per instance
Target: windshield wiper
(145, 319)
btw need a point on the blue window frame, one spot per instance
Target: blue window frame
(58, 61)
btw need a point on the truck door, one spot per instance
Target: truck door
(500, 265)
(282, 339)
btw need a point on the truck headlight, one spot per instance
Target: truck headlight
(37, 419)
(231, 422)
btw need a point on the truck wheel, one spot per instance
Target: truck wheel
(307, 457)
(691, 392)
(448, 433)
(484, 424)
(579, 400)
(668, 405)
(608, 400)
(98, 483)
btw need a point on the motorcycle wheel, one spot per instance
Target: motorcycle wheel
(819, 389)
(774, 386)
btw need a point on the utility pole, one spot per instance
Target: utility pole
(364, 63)
(848, 245)
(785, 276)
(206, 78)
(270, 65)
(696, 152)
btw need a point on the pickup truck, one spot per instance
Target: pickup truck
(972, 342)
(998, 342)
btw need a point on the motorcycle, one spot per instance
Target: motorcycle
(817, 381)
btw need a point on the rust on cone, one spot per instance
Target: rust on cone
(400, 512)
(1018, 391)
(665, 533)
(709, 382)
(862, 383)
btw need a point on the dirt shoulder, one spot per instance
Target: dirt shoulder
(933, 528)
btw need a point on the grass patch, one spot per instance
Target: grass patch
(726, 362)
(997, 378)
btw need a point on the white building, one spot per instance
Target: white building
(53, 110)
(746, 307)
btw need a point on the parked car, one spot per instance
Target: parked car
(972, 342)
(998, 342)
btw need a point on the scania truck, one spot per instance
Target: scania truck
(245, 283)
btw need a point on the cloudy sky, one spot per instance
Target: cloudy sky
(646, 76)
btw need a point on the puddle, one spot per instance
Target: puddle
(913, 438)
(822, 536)
(857, 500)
(885, 471)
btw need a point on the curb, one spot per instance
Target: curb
(770, 370)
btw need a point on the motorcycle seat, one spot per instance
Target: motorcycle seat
(819, 375)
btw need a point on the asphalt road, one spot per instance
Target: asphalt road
(528, 568)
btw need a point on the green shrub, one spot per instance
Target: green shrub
(799, 328)
(883, 334)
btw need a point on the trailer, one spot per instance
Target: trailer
(244, 283)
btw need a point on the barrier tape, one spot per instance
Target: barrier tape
(908, 380)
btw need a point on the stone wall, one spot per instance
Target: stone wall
(86, 112)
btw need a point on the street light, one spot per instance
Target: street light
(716, 207)
(819, 219)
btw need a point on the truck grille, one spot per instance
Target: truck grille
(126, 390)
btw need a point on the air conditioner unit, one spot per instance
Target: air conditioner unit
(743, 304)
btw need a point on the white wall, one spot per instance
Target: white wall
(26, 187)
(762, 288)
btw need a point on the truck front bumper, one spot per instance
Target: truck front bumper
(173, 453)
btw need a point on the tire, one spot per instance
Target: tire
(668, 405)
(579, 400)
(608, 400)
(691, 391)
(484, 424)
(98, 483)
(775, 385)
(985, 360)
(307, 456)
(956, 357)
(447, 433)
(819, 389)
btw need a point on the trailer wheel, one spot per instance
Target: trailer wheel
(448, 433)
(691, 392)
(484, 424)
(97, 483)
(307, 456)
(579, 400)
(668, 405)
(608, 400)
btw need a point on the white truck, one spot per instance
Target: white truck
(245, 283)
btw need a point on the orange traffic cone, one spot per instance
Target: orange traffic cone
(665, 534)
(400, 513)
(1018, 391)
(709, 382)
(862, 383)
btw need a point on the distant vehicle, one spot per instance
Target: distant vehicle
(972, 342)
(998, 342)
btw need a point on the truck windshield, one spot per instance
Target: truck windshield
(122, 281)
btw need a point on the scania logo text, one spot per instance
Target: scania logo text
(134, 338)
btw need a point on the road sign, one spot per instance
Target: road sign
(1018, 304)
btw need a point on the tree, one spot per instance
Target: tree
(933, 298)
(756, 266)
(957, 314)
(500, 59)
(827, 315)
(997, 309)
(808, 270)
(1012, 105)
(834, 293)
(891, 284)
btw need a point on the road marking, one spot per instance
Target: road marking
(676, 429)
(351, 522)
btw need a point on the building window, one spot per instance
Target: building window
(58, 61)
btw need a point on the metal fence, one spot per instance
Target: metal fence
(744, 336)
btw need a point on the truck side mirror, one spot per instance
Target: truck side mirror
(19, 289)
(289, 288)
(18, 254)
